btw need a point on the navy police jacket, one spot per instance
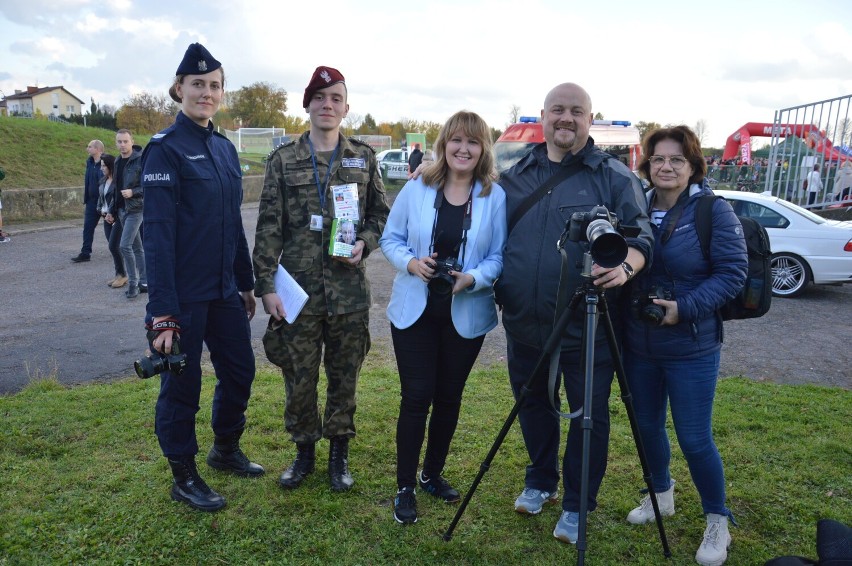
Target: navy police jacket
(195, 245)
(700, 285)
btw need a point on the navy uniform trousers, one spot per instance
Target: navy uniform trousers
(223, 325)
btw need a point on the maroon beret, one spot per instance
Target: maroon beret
(323, 77)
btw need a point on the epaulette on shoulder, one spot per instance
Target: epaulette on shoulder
(356, 141)
(291, 141)
(159, 136)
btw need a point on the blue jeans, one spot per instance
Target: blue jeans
(90, 221)
(689, 386)
(540, 426)
(116, 255)
(131, 247)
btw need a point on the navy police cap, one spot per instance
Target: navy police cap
(197, 61)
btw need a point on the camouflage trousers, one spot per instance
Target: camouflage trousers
(342, 342)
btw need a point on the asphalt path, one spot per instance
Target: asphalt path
(58, 318)
(61, 319)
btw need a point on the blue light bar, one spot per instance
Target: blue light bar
(611, 123)
(527, 119)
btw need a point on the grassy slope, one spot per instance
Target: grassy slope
(38, 154)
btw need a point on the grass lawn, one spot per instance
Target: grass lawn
(83, 482)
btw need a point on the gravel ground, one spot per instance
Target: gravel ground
(61, 318)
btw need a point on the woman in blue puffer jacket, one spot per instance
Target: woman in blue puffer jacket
(673, 342)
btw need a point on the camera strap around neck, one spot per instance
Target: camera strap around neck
(545, 188)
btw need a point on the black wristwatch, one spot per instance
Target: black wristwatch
(628, 269)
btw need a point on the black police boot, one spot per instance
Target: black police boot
(189, 488)
(338, 464)
(300, 468)
(227, 456)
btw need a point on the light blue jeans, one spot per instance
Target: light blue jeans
(131, 247)
(689, 386)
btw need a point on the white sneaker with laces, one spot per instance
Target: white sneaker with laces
(645, 512)
(714, 548)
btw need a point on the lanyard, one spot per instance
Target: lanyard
(321, 188)
(466, 222)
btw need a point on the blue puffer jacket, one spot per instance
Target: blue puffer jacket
(700, 286)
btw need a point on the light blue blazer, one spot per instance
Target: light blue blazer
(407, 235)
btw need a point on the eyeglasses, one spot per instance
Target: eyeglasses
(676, 161)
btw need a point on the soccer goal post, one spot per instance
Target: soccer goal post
(378, 143)
(255, 140)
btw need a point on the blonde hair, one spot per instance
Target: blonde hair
(473, 126)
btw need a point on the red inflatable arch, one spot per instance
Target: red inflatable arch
(739, 143)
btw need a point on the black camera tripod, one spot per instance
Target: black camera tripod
(593, 297)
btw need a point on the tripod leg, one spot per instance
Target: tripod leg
(553, 341)
(587, 423)
(627, 399)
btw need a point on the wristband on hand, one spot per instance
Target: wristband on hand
(163, 325)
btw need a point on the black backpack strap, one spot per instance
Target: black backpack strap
(704, 222)
(546, 187)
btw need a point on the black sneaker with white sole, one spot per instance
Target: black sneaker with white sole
(405, 506)
(438, 487)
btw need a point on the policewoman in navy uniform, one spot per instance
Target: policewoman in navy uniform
(200, 282)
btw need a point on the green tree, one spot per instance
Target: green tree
(259, 105)
(368, 126)
(146, 113)
(645, 127)
(294, 126)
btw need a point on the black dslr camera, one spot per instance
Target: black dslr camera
(156, 363)
(600, 228)
(644, 308)
(442, 282)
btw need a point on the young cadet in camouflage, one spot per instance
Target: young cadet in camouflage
(293, 227)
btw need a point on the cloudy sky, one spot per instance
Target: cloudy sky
(724, 62)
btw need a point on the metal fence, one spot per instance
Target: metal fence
(815, 136)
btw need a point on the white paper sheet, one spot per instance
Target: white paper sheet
(293, 297)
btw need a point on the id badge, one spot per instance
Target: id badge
(316, 223)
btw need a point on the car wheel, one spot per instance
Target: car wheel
(790, 275)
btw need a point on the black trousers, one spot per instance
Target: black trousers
(434, 363)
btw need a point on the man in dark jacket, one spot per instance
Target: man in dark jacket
(528, 291)
(415, 158)
(128, 208)
(90, 199)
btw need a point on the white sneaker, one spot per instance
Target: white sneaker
(714, 548)
(645, 512)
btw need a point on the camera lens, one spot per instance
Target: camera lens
(654, 314)
(441, 284)
(607, 246)
(147, 367)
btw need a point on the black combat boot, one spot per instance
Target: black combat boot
(300, 468)
(189, 488)
(227, 456)
(338, 464)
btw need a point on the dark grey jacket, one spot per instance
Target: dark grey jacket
(527, 288)
(131, 178)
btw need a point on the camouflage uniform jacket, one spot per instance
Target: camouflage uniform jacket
(289, 199)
